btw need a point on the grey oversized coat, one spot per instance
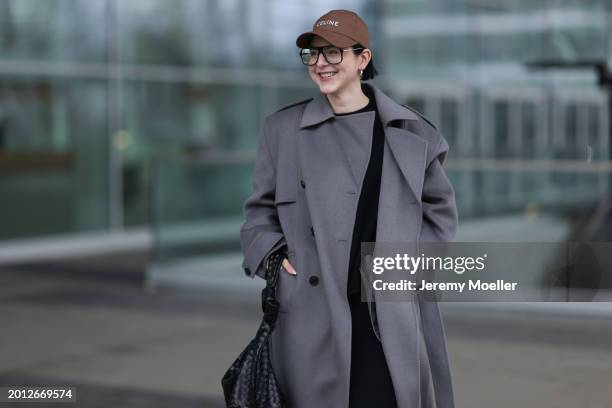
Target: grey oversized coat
(306, 184)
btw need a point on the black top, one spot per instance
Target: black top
(367, 207)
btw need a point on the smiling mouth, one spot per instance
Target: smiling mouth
(327, 74)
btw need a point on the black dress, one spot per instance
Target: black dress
(370, 383)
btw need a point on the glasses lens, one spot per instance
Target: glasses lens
(309, 56)
(333, 55)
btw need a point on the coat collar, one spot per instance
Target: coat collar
(319, 110)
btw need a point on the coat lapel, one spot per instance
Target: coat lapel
(408, 150)
(410, 154)
(356, 147)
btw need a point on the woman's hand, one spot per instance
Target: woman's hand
(288, 267)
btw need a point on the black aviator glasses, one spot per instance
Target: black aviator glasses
(332, 54)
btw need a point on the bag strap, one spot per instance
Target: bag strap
(273, 264)
(269, 303)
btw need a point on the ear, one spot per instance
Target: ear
(366, 56)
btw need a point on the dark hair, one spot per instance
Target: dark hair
(370, 71)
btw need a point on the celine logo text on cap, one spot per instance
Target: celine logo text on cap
(327, 23)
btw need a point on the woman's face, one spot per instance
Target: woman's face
(334, 78)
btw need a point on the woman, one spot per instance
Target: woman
(346, 167)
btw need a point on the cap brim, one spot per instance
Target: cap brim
(336, 39)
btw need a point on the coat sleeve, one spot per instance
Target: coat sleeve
(440, 221)
(261, 234)
(440, 216)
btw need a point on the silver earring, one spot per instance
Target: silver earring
(360, 73)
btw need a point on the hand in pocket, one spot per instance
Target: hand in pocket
(288, 267)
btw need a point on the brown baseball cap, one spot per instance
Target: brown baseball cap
(341, 28)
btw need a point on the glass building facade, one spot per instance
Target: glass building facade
(118, 114)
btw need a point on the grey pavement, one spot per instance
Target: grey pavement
(91, 325)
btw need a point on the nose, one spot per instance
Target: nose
(322, 62)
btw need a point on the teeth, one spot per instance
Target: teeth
(327, 74)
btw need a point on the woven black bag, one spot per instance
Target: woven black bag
(250, 382)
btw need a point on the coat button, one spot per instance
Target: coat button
(247, 271)
(313, 280)
(302, 184)
(312, 231)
